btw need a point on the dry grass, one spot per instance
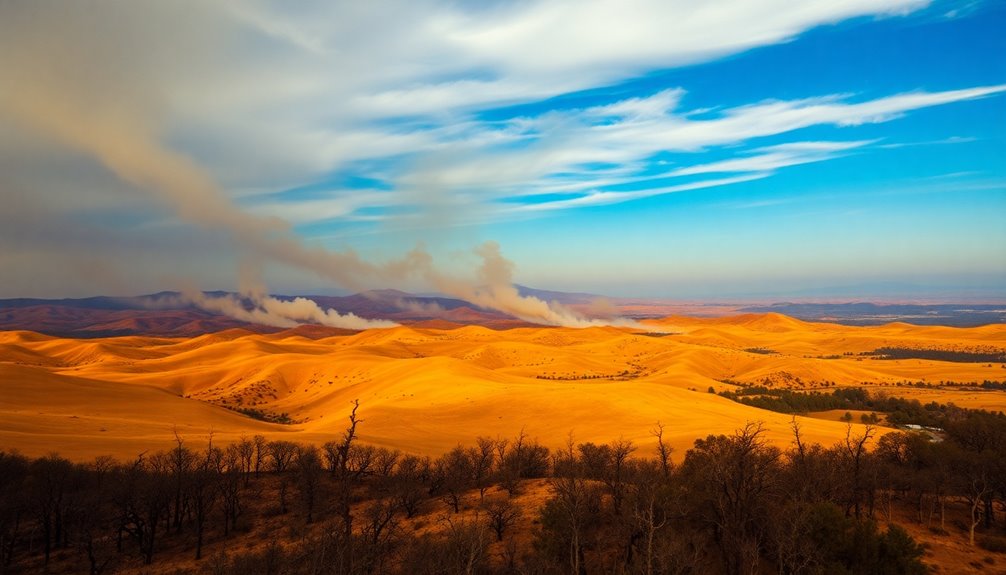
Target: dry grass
(425, 390)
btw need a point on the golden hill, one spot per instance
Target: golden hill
(424, 389)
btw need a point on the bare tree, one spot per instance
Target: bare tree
(344, 497)
(455, 472)
(647, 513)
(855, 453)
(260, 444)
(510, 464)
(13, 504)
(467, 545)
(733, 479)
(797, 438)
(152, 501)
(51, 480)
(385, 461)
(501, 513)
(281, 454)
(573, 501)
(202, 491)
(361, 460)
(620, 452)
(407, 484)
(663, 450)
(482, 457)
(181, 461)
(309, 472)
(244, 455)
(235, 471)
(378, 532)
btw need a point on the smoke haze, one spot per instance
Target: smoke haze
(268, 310)
(88, 93)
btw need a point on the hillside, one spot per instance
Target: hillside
(425, 389)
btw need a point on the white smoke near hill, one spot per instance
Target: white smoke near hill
(493, 288)
(275, 312)
(78, 86)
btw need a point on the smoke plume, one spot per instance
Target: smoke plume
(77, 86)
(494, 289)
(268, 310)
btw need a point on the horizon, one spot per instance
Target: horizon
(753, 300)
(177, 314)
(848, 152)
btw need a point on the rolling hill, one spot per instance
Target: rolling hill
(426, 387)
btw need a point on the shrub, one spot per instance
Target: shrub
(992, 543)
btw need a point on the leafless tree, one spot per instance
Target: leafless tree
(378, 532)
(663, 450)
(235, 472)
(407, 484)
(344, 495)
(281, 454)
(734, 478)
(49, 491)
(244, 455)
(454, 470)
(13, 504)
(309, 472)
(482, 458)
(261, 452)
(855, 453)
(180, 461)
(573, 500)
(385, 461)
(501, 513)
(467, 545)
(202, 490)
(648, 515)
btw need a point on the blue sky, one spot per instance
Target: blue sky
(725, 150)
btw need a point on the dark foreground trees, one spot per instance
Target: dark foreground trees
(734, 504)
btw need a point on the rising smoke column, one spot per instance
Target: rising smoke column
(494, 289)
(90, 97)
(72, 78)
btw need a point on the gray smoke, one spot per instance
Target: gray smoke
(268, 310)
(79, 86)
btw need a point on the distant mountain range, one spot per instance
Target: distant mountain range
(167, 314)
(865, 313)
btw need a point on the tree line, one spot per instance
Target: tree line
(733, 504)
(979, 354)
(900, 411)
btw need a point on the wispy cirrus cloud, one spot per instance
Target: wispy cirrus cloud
(771, 158)
(588, 153)
(604, 198)
(390, 110)
(266, 96)
(942, 142)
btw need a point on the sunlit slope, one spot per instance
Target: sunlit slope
(43, 411)
(803, 353)
(425, 390)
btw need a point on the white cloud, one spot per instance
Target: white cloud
(944, 141)
(564, 145)
(602, 198)
(259, 92)
(471, 162)
(263, 97)
(775, 157)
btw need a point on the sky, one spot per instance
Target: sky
(734, 149)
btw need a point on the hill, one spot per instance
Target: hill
(425, 388)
